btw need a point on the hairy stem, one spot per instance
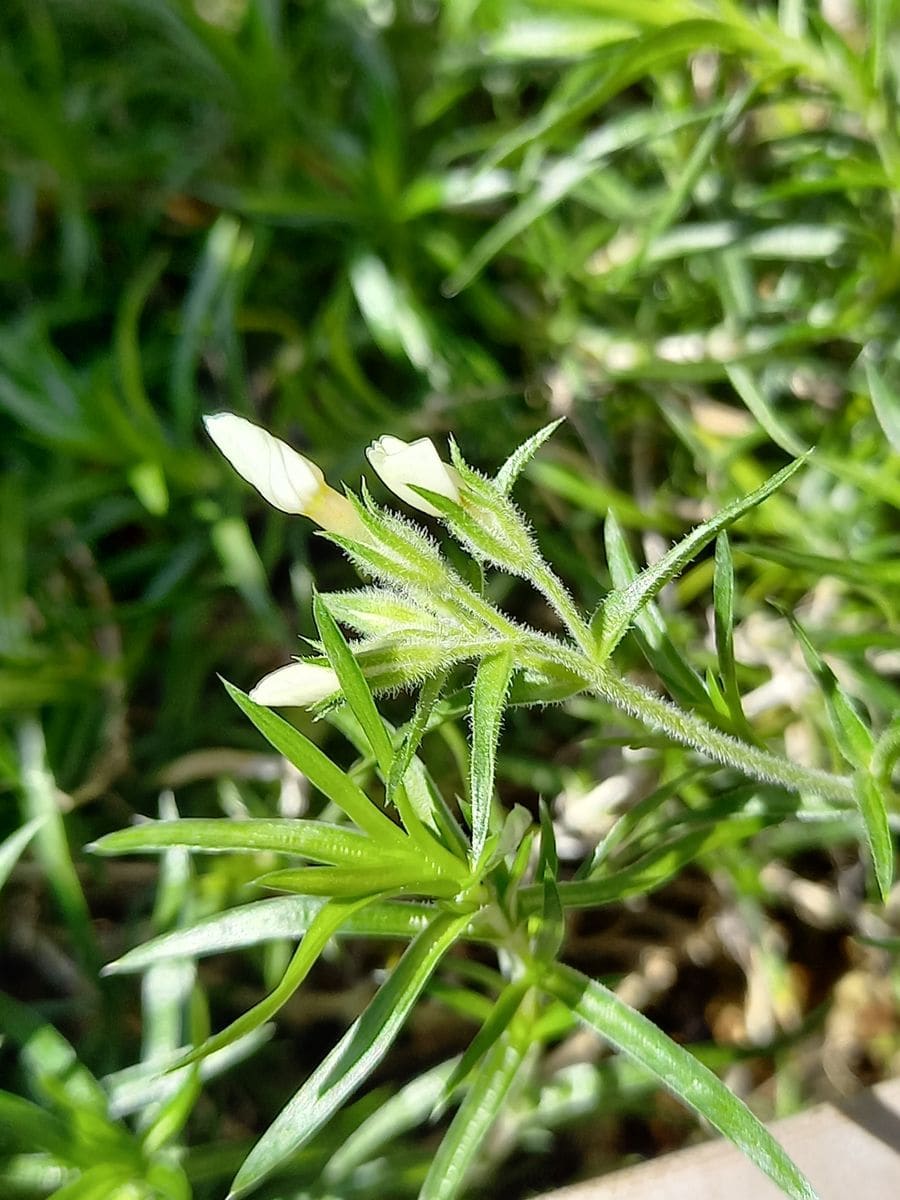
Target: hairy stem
(553, 590)
(689, 730)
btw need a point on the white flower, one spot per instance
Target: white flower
(284, 478)
(401, 464)
(296, 685)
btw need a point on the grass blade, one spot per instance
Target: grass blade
(886, 403)
(857, 745)
(723, 618)
(13, 847)
(39, 798)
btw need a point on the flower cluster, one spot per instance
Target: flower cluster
(419, 617)
(416, 474)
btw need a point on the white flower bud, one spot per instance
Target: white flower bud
(284, 478)
(400, 464)
(296, 685)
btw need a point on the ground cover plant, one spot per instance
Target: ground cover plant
(355, 220)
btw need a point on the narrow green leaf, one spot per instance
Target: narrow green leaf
(878, 832)
(723, 610)
(358, 695)
(752, 394)
(857, 745)
(325, 923)
(522, 456)
(886, 752)
(267, 921)
(488, 700)
(632, 818)
(622, 605)
(409, 774)
(98, 1182)
(863, 573)
(551, 930)
(359, 881)
(649, 628)
(886, 404)
(501, 1016)
(561, 177)
(162, 1122)
(50, 1062)
(354, 1058)
(14, 845)
(173, 882)
(691, 1082)
(488, 1090)
(353, 685)
(428, 697)
(548, 859)
(716, 695)
(319, 770)
(316, 840)
(654, 868)
(135, 1089)
(405, 1110)
(39, 801)
(854, 739)
(30, 1127)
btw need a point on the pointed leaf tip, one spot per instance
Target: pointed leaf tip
(519, 459)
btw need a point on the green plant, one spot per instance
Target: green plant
(478, 873)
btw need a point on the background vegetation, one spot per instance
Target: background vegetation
(675, 224)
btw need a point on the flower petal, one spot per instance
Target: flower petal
(285, 478)
(296, 685)
(400, 464)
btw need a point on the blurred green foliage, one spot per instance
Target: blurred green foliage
(675, 224)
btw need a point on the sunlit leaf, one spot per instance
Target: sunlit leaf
(682, 1074)
(354, 1057)
(622, 605)
(488, 700)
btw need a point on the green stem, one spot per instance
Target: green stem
(691, 731)
(557, 596)
(483, 610)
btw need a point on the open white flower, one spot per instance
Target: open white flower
(284, 478)
(401, 464)
(296, 685)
